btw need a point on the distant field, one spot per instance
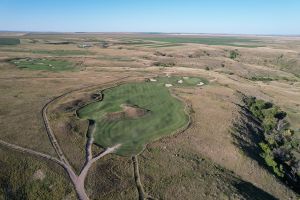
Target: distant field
(43, 64)
(50, 52)
(9, 41)
(61, 52)
(225, 41)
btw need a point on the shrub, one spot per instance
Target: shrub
(268, 156)
(164, 64)
(233, 54)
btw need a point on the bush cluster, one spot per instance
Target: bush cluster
(280, 144)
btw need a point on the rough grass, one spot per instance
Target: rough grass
(28, 178)
(43, 64)
(166, 115)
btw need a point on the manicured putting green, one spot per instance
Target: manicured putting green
(43, 64)
(180, 81)
(135, 114)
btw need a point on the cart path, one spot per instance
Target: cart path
(77, 180)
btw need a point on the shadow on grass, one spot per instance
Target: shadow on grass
(249, 191)
(248, 133)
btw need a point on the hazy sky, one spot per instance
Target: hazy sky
(189, 16)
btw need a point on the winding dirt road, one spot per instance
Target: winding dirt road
(77, 180)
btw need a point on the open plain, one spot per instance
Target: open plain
(149, 116)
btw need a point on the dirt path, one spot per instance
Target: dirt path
(136, 172)
(137, 178)
(30, 151)
(77, 180)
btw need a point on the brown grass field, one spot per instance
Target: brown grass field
(202, 162)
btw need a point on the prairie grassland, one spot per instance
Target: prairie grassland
(201, 162)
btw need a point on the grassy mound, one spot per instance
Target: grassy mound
(163, 115)
(43, 64)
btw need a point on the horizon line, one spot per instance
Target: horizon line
(146, 32)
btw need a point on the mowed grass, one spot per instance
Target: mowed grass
(166, 115)
(225, 41)
(43, 64)
(9, 41)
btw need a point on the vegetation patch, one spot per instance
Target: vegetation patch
(233, 54)
(263, 78)
(43, 64)
(9, 41)
(164, 63)
(280, 146)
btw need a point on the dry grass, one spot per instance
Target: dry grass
(200, 163)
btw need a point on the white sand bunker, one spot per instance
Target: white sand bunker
(168, 85)
(153, 80)
(180, 81)
(201, 83)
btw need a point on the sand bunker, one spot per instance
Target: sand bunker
(129, 112)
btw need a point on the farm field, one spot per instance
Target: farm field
(9, 41)
(224, 41)
(149, 116)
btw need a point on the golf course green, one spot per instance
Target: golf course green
(135, 114)
(43, 64)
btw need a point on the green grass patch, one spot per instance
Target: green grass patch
(51, 52)
(225, 41)
(43, 64)
(62, 52)
(9, 41)
(163, 115)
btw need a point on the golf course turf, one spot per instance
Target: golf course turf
(135, 114)
(43, 64)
